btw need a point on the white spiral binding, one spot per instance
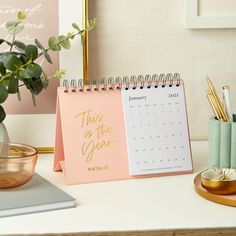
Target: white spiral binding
(133, 82)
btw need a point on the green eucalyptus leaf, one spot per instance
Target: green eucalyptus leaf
(64, 42)
(2, 69)
(19, 44)
(2, 114)
(23, 58)
(57, 48)
(13, 85)
(19, 95)
(47, 56)
(3, 40)
(3, 56)
(33, 98)
(35, 70)
(31, 52)
(38, 44)
(3, 93)
(70, 35)
(75, 26)
(59, 73)
(36, 86)
(27, 82)
(8, 43)
(11, 62)
(32, 70)
(53, 44)
(52, 41)
(45, 81)
(5, 82)
(24, 74)
(14, 27)
(61, 38)
(10, 24)
(91, 24)
(21, 15)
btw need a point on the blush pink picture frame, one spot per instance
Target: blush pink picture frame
(36, 125)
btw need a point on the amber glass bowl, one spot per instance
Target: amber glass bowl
(17, 164)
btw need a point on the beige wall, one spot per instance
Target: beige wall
(148, 36)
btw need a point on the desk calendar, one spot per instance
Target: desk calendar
(122, 130)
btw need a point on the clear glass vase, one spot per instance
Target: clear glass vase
(4, 137)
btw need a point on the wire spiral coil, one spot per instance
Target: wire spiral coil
(133, 82)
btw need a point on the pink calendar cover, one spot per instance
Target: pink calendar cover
(90, 139)
(96, 137)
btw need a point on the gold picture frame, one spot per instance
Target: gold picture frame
(85, 43)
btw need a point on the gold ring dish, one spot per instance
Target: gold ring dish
(219, 183)
(221, 191)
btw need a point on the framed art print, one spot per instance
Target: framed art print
(210, 14)
(26, 123)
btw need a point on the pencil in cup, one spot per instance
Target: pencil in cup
(215, 102)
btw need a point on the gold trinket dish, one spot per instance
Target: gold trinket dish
(219, 181)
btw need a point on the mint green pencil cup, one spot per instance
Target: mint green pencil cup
(221, 144)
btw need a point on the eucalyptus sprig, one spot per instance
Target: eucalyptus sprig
(19, 65)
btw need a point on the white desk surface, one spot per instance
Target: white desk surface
(128, 205)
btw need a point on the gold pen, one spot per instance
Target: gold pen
(214, 109)
(217, 100)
